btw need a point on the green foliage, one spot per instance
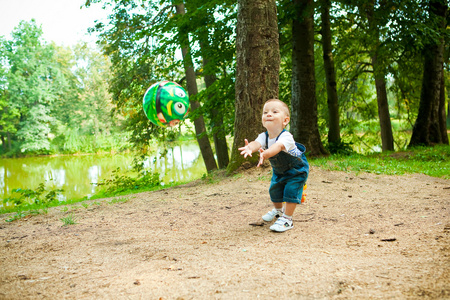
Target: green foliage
(39, 197)
(47, 91)
(139, 61)
(74, 141)
(121, 184)
(30, 202)
(342, 148)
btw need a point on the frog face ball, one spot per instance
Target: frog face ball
(166, 103)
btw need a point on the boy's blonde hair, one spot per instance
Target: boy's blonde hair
(283, 105)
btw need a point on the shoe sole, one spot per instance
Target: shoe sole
(285, 229)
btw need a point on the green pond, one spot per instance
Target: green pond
(78, 174)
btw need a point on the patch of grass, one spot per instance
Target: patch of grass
(69, 220)
(119, 200)
(213, 177)
(432, 161)
(237, 175)
(17, 216)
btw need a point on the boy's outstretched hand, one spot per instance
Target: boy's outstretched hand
(261, 157)
(246, 151)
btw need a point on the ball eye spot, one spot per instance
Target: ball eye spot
(180, 108)
(180, 93)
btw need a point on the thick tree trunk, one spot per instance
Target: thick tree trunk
(304, 104)
(199, 123)
(334, 131)
(257, 70)
(427, 129)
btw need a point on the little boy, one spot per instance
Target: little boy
(289, 164)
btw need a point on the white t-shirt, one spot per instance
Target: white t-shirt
(285, 138)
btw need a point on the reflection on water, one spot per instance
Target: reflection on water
(78, 174)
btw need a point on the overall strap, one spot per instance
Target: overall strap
(267, 138)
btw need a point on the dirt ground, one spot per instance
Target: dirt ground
(359, 236)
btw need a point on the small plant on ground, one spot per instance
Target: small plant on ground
(119, 200)
(69, 220)
(35, 201)
(120, 183)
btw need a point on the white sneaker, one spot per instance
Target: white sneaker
(282, 224)
(274, 213)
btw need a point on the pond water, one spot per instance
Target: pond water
(78, 174)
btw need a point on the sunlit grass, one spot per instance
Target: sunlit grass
(432, 161)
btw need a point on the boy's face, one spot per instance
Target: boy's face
(274, 116)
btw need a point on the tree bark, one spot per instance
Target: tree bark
(199, 123)
(257, 70)
(387, 138)
(442, 116)
(304, 104)
(427, 129)
(334, 131)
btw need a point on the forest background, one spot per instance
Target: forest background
(368, 59)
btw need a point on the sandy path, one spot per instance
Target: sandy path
(359, 236)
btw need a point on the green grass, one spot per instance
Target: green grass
(432, 161)
(69, 220)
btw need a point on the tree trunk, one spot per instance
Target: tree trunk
(334, 132)
(8, 135)
(304, 104)
(219, 136)
(199, 123)
(2, 137)
(442, 116)
(257, 70)
(427, 129)
(387, 138)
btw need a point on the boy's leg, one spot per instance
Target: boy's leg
(290, 208)
(278, 205)
(276, 196)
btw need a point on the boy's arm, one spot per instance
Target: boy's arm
(249, 148)
(272, 151)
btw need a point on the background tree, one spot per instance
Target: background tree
(144, 39)
(216, 44)
(377, 20)
(200, 128)
(304, 105)
(429, 127)
(34, 82)
(257, 70)
(9, 114)
(334, 133)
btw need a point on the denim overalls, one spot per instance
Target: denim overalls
(289, 175)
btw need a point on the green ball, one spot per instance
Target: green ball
(166, 103)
